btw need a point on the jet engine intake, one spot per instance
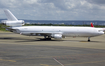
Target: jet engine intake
(13, 23)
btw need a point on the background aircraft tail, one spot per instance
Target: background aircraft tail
(12, 20)
(92, 24)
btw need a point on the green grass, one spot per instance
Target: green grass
(2, 27)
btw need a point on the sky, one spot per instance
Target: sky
(54, 9)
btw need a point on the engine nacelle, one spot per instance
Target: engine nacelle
(57, 36)
(13, 23)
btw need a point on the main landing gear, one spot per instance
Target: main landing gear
(47, 38)
(88, 39)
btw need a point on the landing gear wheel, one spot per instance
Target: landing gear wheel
(88, 39)
(47, 38)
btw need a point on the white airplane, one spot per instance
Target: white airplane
(57, 32)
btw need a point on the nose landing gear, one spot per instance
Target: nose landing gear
(88, 39)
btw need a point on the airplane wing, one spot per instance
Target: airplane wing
(56, 35)
(41, 33)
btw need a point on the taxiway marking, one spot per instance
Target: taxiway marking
(58, 62)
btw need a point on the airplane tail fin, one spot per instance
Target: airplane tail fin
(92, 24)
(12, 20)
(10, 16)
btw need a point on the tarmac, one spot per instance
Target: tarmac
(19, 50)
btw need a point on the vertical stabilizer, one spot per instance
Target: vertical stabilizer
(92, 24)
(12, 20)
(10, 16)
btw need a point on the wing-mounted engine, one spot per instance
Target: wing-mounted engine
(57, 36)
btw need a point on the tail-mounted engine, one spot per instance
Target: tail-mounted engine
(13, 23)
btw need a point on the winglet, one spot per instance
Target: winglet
(92, 24)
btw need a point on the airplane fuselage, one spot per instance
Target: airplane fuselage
(64, 31)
